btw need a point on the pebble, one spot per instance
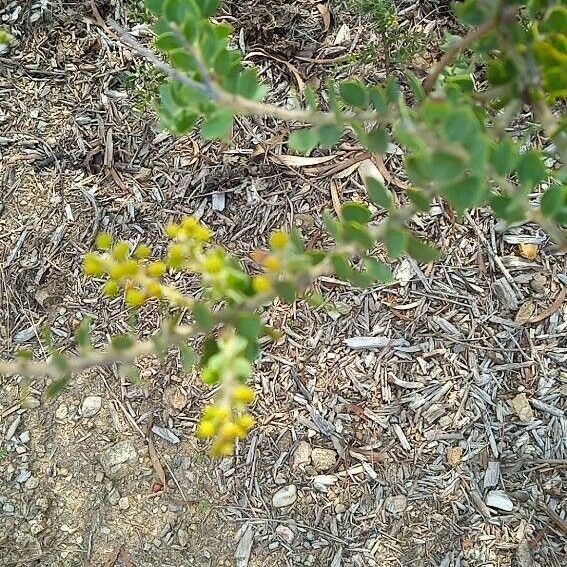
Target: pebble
(499, 499)
(32, 483)
(23, 476)
(31, 403)
(323, 459)
(117, 458)
(539, 283)
(285, 534)
(124, 503)
(61, 412)
(25, 437)
(99, 477)
(182, 537)
(114, 497)
(20, 449)
(396, 504)
(8, 508)
(301, 455)
(285, 496)
(91, 406)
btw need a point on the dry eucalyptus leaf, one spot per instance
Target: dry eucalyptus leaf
(525, 313)
(528, 251)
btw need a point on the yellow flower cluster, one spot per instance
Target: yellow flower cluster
(226, 423)
(130, 269)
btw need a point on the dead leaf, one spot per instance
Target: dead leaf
(301, 161)
(525, 313)
(325, 15)
(259, 256)
(528, 251)
(335, 190)
(552, 308)
(154, 459)
(367, 168)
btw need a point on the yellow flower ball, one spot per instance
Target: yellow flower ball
(213, 264)
(261, 284)
(111, 288)
(230, 430)
(222, 448)
(130, 268)
(205, 429)
(246, 421)
(188, 225)
(172, 230)
(142, 251)
(153, 289)
(93, 265)
(202, 233)
(156, 269)
(176, 255)
(103, 241)
(121, 250)
(272, 264)
(243, 394)
(134, 297)
(278, 240)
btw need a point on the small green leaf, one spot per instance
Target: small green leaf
(358, 235)
(329, 135)
(121, 342)
(464, 193)
(188, 357)
(167, 42)
(553, 199)
(160, 346)
(83, 333)
(59, 361)
(376, 140)
(217, 125)
(396, 239)
(56, 387)
(378, 100)
(286, 291)
(248, 83)
(415, 85)
(503, 156)
(248, 325)
(418, 199)
(507, 208)
(182, 60)
(202, 316)
(445, 166)
(355, 212)
(332, 225)
(341, 266)
(531, 169)
(354, 93)
(421, 251)
(303, 141)
(377, 270)
(209, 7)
(392, 91)
(378, 194)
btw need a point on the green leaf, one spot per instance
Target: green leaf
(377, 270)
(303, 141)
(461, 125)
(418, 199)
(248, 325)
(378, 100)
(210, 348)
(396, 239)
(188, 357)
(464, 193)
(357, 235)
(56, 387)
(286, 291)
(329, 134)
(209, 7)
(332, 225)
(217, 125)
(248, 83)
(378, 194)
(415, 86)
(376, 140)
(355, 212)
(507, 208)
(183, 61)
(503, 156)
(354, 93)
(154, 5)
(555, 20)
(121, 342)
(202, 316)
(167, 42)
(531, 169)
(470, 12)
(83, 333)
(177, 10)
(421, 251)
(392, 91)
(444, 166)
(553, 199)
(59, 361)
(341, 266)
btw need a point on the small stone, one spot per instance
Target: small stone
(521, 406)
(8, 508)
(499, 499)
(322, 482)
(116, 459)
(454, 456)
(25, 437)
(99, 477)
(30, 403)
(301, 455)
(114, 497)
(340, 508)
(32, 483)
(285, 496)
(285, 534)
(61, 412)
(91, 406)
(539, 283)
(23, 476)
(323, 459)
(396, 504)
(20, 449)
(182, 537)
(124, 503)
